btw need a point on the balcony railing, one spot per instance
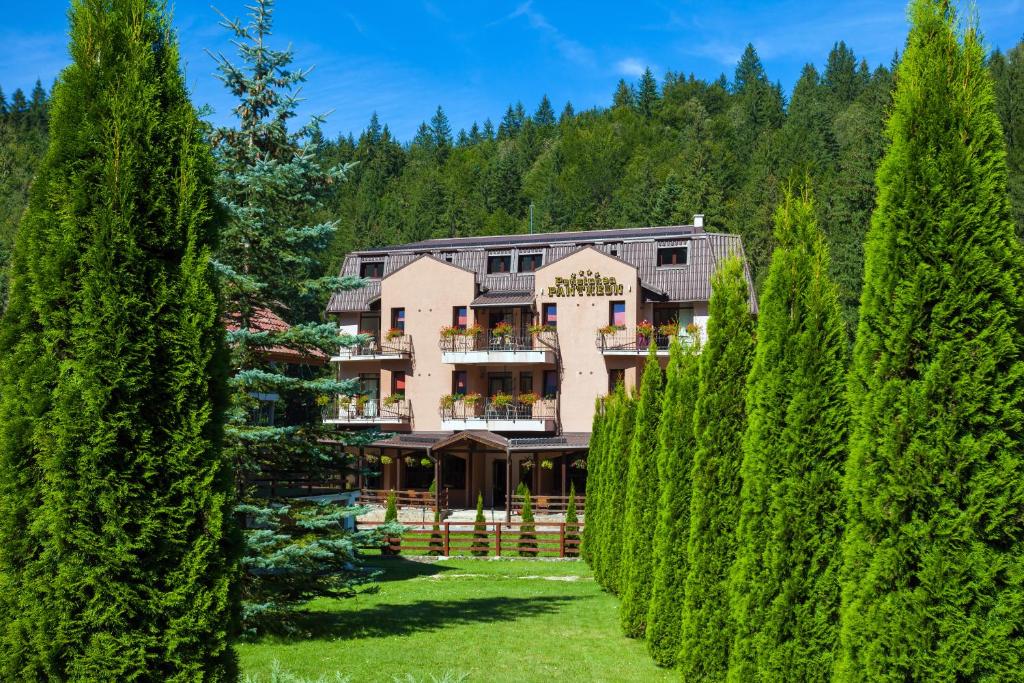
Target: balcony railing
(348, 410)
(490, 411)
(394, 347)
(491, 348)
(622, 342)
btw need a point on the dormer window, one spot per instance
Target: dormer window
(373, 270)
(499, 264)
(528, 263)
(672, 256)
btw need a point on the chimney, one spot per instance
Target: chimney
(698, 220)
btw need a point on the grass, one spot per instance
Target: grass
(469, 620)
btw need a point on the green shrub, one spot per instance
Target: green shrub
(572, 525)
(527, 544)
(480, 546)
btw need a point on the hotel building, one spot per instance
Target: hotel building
(487, 353)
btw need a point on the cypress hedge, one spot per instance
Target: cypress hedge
(595, 461)
(933, 574)
(641, 515)
(116, 556)
(480, 546)
(675, 462)
(572, 526)
(527, 543)
(719, 420)
(617, 470)
(784, 586)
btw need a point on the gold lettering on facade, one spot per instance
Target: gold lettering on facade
(585, 283)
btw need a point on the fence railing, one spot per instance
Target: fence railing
(546, 504)
(489, 341)
(633, 341)
(536, 539)
(356, 409)
(394, 346)
(543, 409)
(275, 484)
(403, 498)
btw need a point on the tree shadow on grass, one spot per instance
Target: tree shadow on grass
(383, 620)
(400, 569)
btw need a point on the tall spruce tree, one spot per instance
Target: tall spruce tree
(718, 421)
(115, 495)
(675, 465)
(933, 574)
(641, 513)
(271, 182)
(784, 585)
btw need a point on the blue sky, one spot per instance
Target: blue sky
(402, 59)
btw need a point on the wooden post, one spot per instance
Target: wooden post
(361, 466)
(536, 476)
(447, 550)
(561, 539)
(508, 486)
(565, 470)
(497, 539)
(437, 481)
(398, 470)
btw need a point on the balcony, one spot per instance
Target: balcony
(498, 414)
(360, 410)
(491, 348)
(388, 348)
(626, 342)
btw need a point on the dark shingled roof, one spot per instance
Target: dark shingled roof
(502, 297)
(635, 246)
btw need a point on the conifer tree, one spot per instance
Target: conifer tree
(436, 543)
(718, 421)
(623, 97)
(641, 513)
(614, 492)
(572, 526)
(480, 546)
(545, 114)
(527, 543)
(784, 585)
(273, 186)
(647, 93)
(115, 494)
(391, 512)
(675, 462)
(595, 463)
(933, 574)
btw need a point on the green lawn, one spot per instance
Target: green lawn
(489, 620)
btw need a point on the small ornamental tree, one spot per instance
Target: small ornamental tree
(641, 503)
(595, 462)
(117, 559)
(615, 491)
(527, 532)
(480, 546)
(719, 421)
(572, 524)
(391, 513)
(436, 543)
(675, 462)
(784, 586)
(933, 554)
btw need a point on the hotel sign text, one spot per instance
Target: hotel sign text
(585, 283)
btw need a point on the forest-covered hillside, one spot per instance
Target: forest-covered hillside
(661, 152)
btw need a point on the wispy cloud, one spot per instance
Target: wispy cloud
(26, 57)
(630, 66)
(570, 49)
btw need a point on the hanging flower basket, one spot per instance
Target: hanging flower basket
(426, 462)
(547, 464)
(410, 461)
(386, 460)
(580, 464)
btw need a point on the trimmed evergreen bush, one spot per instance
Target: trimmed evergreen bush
(436, 543)
(784, 586)
(116, 556)
(641, 503)
(675, 461)
(481, 545)
(933, 574)
(572, 523)
(617, 471)
(391, 513)
(527, 544)
(595, 462)
(718, 421)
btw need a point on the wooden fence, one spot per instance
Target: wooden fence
(403, 498)
(548, 504)
(546, 539)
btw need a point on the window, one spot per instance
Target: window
(617, 313)
(369, 384)
(459, 381)
(371, 269)
(499, 383)
(681, 315)
(398, 382)
(525, 382)
(616, 376)
(530, 262)
(499, 264)
(398, 318)
(550, 383)
(550, 316)
(672, 256)
(460, 317)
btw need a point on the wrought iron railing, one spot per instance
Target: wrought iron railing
(635, 342)
(355, 409)
(543, 409)
(394, 346)
(489, 341)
